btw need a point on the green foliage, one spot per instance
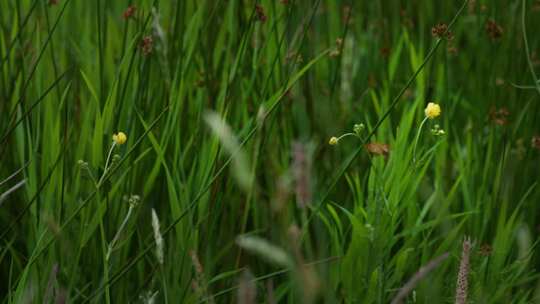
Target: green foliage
(228, 107)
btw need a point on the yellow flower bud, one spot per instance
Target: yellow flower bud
(120, 138)
(333, 141)
(432, 110)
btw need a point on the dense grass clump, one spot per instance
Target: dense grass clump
(269, 151)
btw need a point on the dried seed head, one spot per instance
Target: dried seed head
(499, 116)
(129, 12)
(535, 142)
(485, 250)
(259, 11)
(147, 45)
(441, 31)
(462, 285)
(493, 30)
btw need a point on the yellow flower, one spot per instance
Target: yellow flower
(333, 141)
(120, 138)
(432, 110)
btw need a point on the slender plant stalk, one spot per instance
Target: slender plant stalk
(417, 138)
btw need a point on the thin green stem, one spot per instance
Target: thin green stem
(106, 164)
(91, 176)
(105, 266)
(117, 235)
(417, 138)
(348, 134)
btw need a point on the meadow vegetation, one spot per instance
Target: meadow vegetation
(241, 151)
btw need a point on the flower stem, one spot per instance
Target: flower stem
(117, 235)
(106, 165)
(417, 138)
(347, 134)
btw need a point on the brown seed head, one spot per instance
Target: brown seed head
(441, 31)
(535, 142)
(259, 11)
(499, 116)
(493, 30)
(462, 285)
(129, 12)
(147, 45)
(485, 250)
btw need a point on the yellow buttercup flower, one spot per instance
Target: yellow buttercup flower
(120, 138)
(432, 110)
(333, 141)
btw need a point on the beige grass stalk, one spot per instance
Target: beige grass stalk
(157, 237)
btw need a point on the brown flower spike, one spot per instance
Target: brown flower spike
(462, 286)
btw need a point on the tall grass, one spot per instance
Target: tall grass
(227, 189)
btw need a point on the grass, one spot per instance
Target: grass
(227, 189)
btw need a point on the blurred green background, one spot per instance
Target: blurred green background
(227, 190)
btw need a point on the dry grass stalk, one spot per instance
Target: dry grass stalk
(419, 275)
